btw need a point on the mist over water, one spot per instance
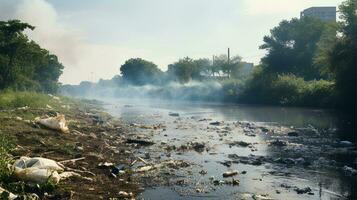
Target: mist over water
(207, 91)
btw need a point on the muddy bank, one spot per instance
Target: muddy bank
(96, 146)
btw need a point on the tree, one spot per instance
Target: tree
(292, 46)
(24, 65)
(140, 72)
(343, 56)
(184, 70)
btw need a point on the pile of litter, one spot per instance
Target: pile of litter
(40, 170)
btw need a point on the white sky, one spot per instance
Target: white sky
(94, 38)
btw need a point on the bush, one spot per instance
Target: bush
(287, 89)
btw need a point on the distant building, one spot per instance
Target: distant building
(247, 68)
(323, 13)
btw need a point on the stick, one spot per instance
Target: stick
(71, 160)
(142, 160)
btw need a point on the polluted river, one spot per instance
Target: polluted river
(225, 151)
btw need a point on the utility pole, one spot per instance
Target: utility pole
(229, 56)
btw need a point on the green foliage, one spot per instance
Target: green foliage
(292, 47)
(138, 71)
(24, 65)
(343, 56)
(288, 90)
(185, 70)
(5, 146)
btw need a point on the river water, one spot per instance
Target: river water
(317, 156)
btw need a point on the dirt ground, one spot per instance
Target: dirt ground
(94, 138)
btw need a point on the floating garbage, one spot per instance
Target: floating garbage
(230, 173)
(56, 123)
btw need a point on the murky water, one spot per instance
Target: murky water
(315, 158)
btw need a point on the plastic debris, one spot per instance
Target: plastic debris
(40, 170)
(56, 123)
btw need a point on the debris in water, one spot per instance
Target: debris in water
(141, 142)
(230, 173)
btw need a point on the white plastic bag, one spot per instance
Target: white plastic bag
(56, 123)
(37, 170)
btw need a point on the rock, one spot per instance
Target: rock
(199, 147)
(141, 142)
(278, 143)
(293, 134)
(226, 163)
(174, 114)
(203, 172)
(243, 172)
(230, 173)
(240, 143)
(302, 190)
(349, 171)
(215, 123)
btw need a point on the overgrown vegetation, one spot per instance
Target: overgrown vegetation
(24, 65)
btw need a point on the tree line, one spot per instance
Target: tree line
(24, 65)
(309, 62)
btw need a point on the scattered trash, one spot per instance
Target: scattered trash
(56, 123)
(261, 197)
(105, 165)
(40, 170)
(6, 194)
(37, 170)
(123, 194)
(230, 173)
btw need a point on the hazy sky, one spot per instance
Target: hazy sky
(93, 38)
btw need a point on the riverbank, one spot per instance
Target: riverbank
(94, 137)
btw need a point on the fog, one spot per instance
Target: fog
(193, 90)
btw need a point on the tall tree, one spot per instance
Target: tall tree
(24, 65)
(292, 46)
(138, 71)
(343, 56)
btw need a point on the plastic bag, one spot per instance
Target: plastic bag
(37, 170)
(56, 123)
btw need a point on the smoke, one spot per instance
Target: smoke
(207, 90)
(83, 59)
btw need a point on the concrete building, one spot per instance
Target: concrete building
(323, 13)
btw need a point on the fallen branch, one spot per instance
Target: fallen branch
(71, 160)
